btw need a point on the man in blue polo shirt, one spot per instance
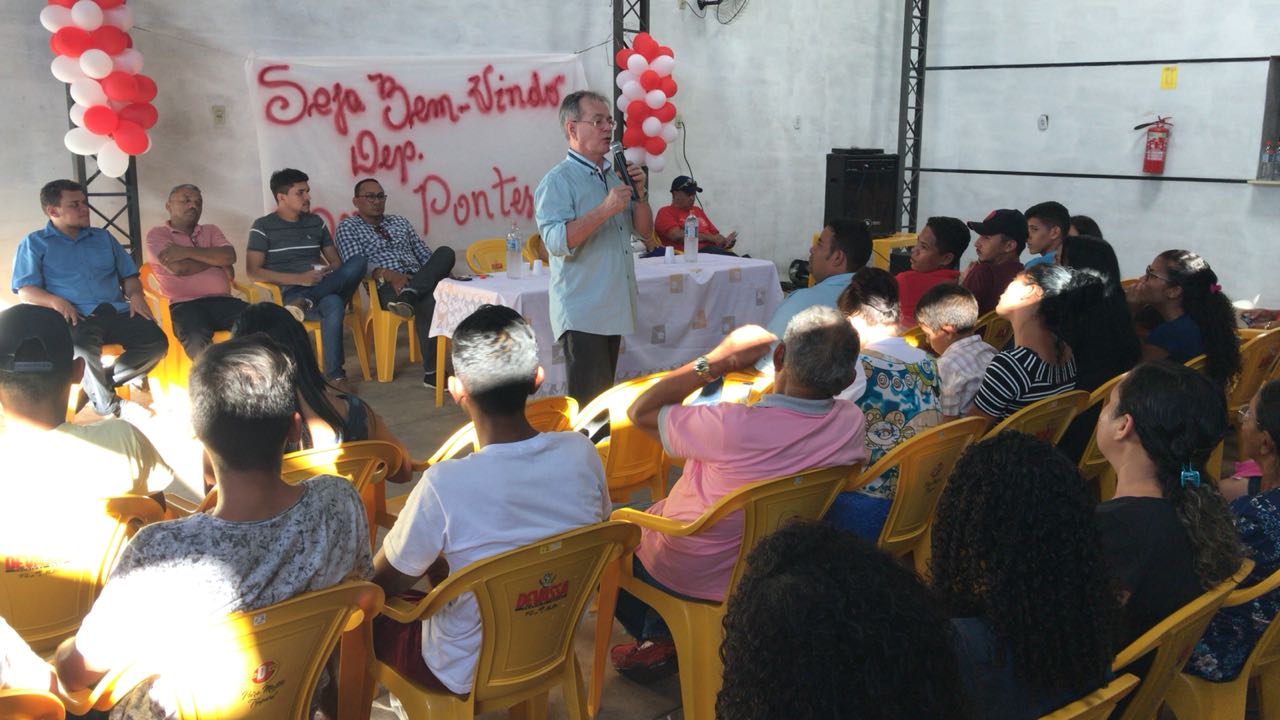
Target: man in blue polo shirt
(79, 271)
(586, 217)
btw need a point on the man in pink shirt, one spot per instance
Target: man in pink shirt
(798, 427)
(193, 265)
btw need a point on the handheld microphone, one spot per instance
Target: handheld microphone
(620, 164)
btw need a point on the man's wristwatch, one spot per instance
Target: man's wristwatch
(702, 368)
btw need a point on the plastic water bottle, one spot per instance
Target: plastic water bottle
(691, 238)
(515, 258)
(1266, 162)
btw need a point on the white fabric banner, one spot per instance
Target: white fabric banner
(458, 144)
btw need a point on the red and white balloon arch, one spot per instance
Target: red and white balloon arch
(95, 56)
(647, 87)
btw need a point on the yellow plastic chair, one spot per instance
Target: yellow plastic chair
(915, 337)
(488, 256)
(1093, 467)
(531, 600)
(176, 366)
(30, 705)
(815, 242)
(632, 459)
(263, 663)
(1199, 363)
(1193, 697)
(696, 624)
(995, 330)
(924, 464)
(1172, 642)
(354, 322)
(385, 326)
(882, 248)
(1045, 419)
(1098, 704)
(1259, 360)
(534, 249)
(52, 578)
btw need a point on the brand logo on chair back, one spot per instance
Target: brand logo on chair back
(545, 596)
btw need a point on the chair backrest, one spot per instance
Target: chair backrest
(924, 464)
(534, 248)
(995, 330)
(1259, 359)
(363, 462)
(1098, 704)
(1093, 466)
(57, 559)
(1046, 419)
(487, 256)
(530, 601)
(916, 338)
(1172, 642)
(262, 663)
(30, 705)
(547, 414)
(1267, 650)
(1199, 363)
(634, 456)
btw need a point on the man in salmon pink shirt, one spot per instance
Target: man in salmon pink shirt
(193, 264)
(799, 426)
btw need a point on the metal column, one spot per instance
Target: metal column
(629, 17)
(915, 25)
(110, 202)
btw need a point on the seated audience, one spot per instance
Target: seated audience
(797, 427)
(330, 416)
(292, 248)
(1045, 304)
(521, 486)
(1234, 631)
(80, 271)
(405, 269)
(1167, 534)
(897, 388)
(843, 247)
(1084, 225)
(193, 265)
(823, 626)
(947, 315)
(1001, 238)
(21, 669)
(107, 458)
(668, 223)
(1047, 226)
(1017, 565)
(264, 542)
(935, 258)
(1198, 318)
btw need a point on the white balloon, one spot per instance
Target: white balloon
(634, 155)
(651, 126)
(82, 142)
(655, 99)
(119, 105)
(66, 69)
(55, 17)
(633, 91)
(129, 61)
(656, 163)
(621, 103)
(112, 161)
(86, 15)
(625, 77)
(88, 92)
(76, 113)
(95, 63)
(121, 17)
(637, 64)
(669, 132)
(663, 65)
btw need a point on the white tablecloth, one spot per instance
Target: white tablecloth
(685, 310)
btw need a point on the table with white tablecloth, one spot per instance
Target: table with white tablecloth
(685, 309)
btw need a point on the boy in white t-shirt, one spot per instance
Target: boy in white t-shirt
(521, 486)
(947, 314)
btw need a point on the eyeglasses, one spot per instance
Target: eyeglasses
(1243, 414)
(1151, 273)
(598, 122)
(373, 196)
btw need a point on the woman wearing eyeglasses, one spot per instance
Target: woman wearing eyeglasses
(1197, 317)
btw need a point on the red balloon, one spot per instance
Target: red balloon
(120, 85)
(101, 120)
(623, 56)
(645, 45)
(637, 111)
(650, 80)
(666, 113)
(143, 114)
(146, 89)
(63, 3)
(70, 41)
(108, 4)
(668, 87)
(133, 139)
(664, 50)
(633, 137)
(109, 39)
(655, 145)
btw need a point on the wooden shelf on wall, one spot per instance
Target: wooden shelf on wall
(1265, 183)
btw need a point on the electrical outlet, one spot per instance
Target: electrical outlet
(1043, 123)
(679, 120)
(219, 115)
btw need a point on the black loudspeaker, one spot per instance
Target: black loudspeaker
(863, 183)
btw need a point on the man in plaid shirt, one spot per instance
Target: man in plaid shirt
(406, 270)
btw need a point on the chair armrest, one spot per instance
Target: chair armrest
(272, 290)
(666, 526)
(244, 291)
(178, 506)
(1253, 592)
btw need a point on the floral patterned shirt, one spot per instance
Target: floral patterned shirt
(902, 398)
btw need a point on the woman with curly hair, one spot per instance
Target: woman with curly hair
(822, 625)
(1018, 566)
(1197, 318)
(1167, 534)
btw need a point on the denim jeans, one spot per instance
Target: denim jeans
(330, 297)
(641, 621)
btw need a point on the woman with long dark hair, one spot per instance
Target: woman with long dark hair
(1033, 613)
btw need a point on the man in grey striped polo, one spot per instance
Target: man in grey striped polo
(292, 248)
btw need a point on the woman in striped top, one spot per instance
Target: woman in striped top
(1046, 304)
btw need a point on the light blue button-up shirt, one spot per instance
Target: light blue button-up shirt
(593, 286)
(86, 271)
(826, 292)
(1049, 257)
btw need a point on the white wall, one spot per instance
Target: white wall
(742, 88)
(986, 119)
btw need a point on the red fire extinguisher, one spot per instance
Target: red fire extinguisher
(1157, 148)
